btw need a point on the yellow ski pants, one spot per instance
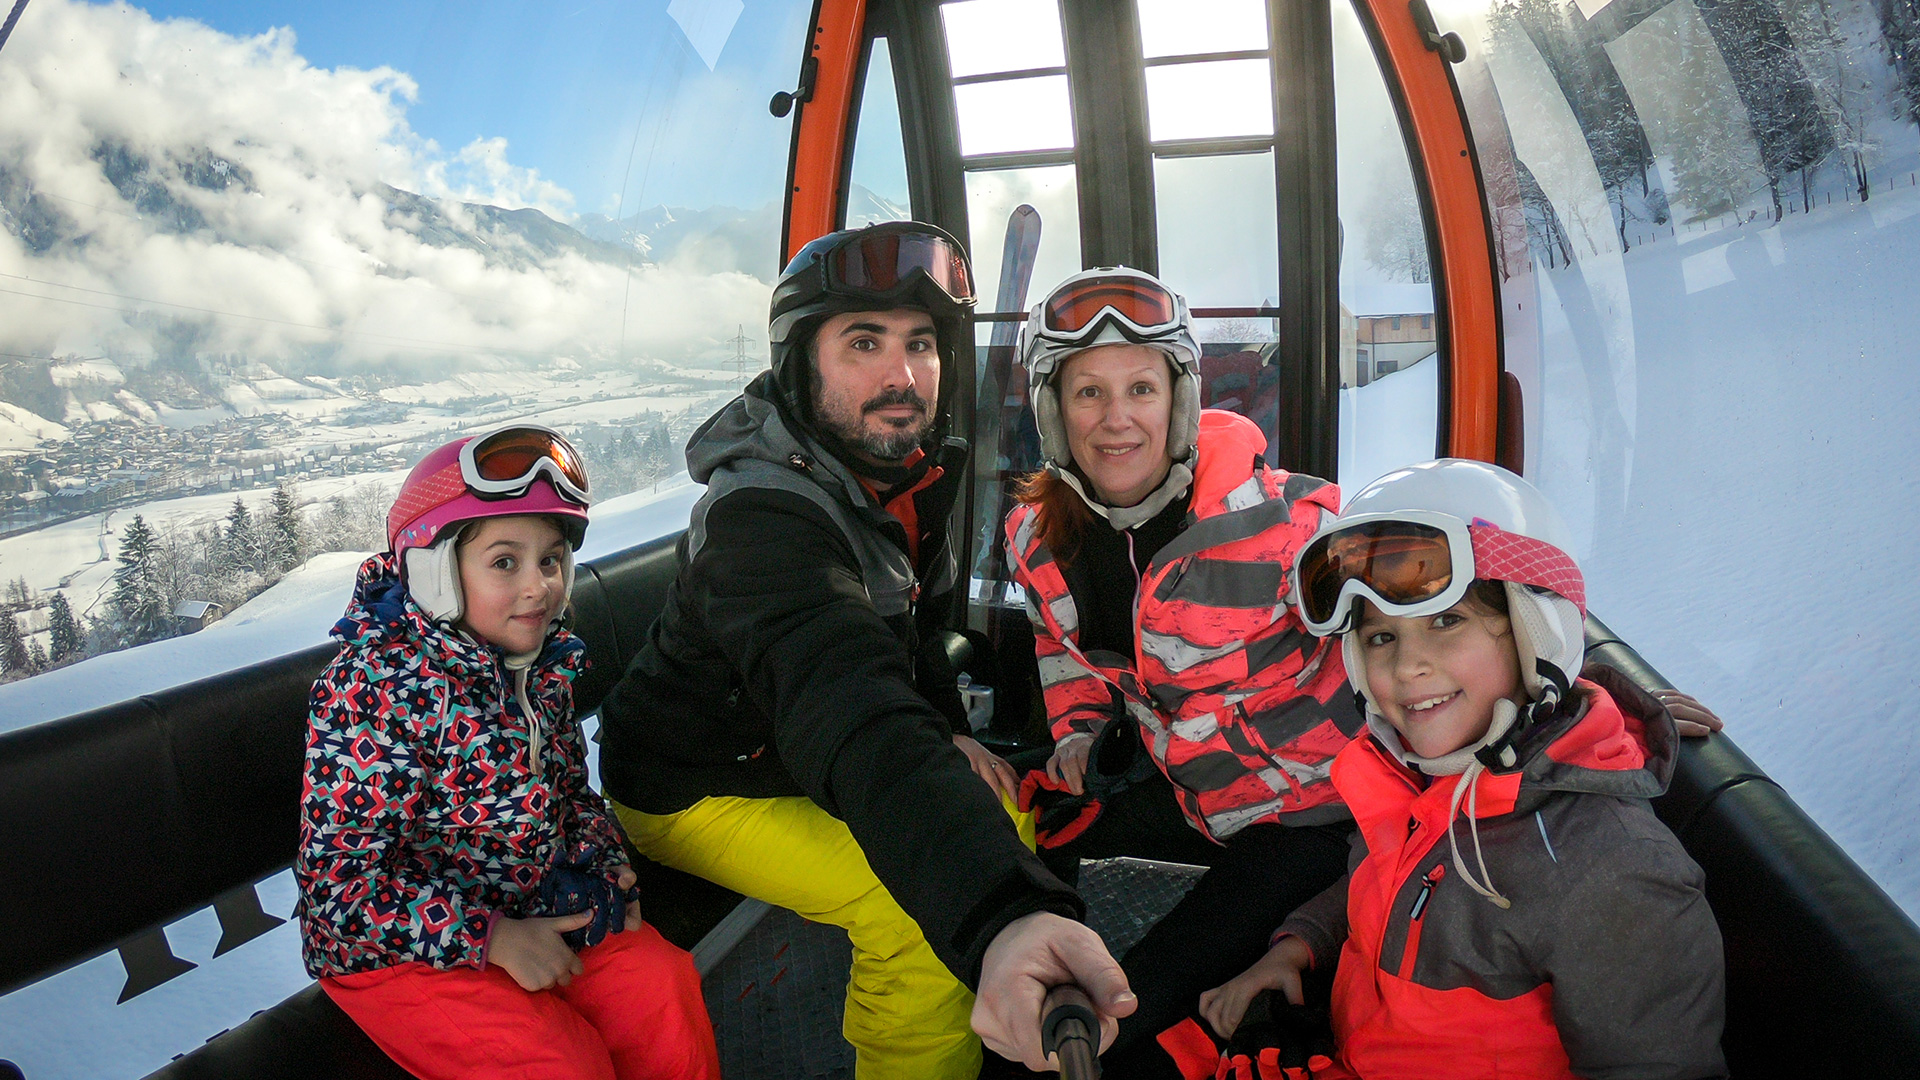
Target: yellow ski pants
(907, 1017)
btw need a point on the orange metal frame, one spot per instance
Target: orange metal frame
(1442, 149)
(820, 148)
(1444, 155)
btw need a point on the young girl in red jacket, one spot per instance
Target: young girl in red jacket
(464, 896)
(1513, 906)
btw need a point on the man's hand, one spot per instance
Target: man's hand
(1224, 1006)
(1032, 955)
(532, 951)
(1069, 761)
(990, 767)
(1693, 719)
(623, 879)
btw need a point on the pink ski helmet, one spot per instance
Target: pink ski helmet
(468, 479)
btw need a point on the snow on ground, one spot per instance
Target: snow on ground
(79, 556)
(1742, 475)
(23, 430)
(67, 1027)
(1388, 423)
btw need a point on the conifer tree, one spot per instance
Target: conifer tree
(36, 656)
(139, 602)
(242, 547)
(13, 651)
(284, 544)
(67, 639)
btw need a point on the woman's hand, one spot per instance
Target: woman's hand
(990, 767)
(532, 951)
(1068, 765)
(623, 879)
(1280, 969)
(1693, 719)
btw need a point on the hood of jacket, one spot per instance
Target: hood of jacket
(382, 614)
(1228, 445)
(752, 427)
(1617, 740)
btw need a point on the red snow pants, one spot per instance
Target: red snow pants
(635, 1013)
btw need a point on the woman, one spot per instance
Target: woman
(1154, 547)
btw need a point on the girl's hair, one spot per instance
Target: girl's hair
(1061, 515)
(1489, 594)
(468, 532)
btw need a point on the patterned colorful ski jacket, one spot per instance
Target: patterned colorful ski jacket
(421, 815)
(1239, 706)
(1607, 965)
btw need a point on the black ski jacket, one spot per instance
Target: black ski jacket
(787, 661)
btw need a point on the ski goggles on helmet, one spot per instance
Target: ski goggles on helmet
(1418, 562)
(1142, 309)
(881, 264)
(505, 463)
(1409, 563)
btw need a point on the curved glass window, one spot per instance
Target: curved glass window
(1707, 222)
(255, 259)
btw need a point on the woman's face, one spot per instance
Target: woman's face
(1116, 401)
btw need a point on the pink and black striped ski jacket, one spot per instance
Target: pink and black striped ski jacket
(1240, 706)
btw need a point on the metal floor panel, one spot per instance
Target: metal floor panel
(777, 997)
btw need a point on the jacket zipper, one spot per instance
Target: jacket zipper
(1416, 919)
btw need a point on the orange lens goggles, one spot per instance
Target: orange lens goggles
(504, 463)
(1395, 563)
(1144, 304)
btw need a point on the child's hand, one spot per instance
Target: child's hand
(1280, 969)
(1690, 716)
(623, 879)
(532, 951)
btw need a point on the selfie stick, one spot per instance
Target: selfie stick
(1069, 1028)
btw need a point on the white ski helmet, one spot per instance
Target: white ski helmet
(1414, 541)
(1113, 305)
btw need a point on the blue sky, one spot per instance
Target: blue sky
(567, 85)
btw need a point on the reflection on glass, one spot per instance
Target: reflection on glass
(1220, 99)
(1019, 114)
(1239, 369)
(1187, 27)
(1389, 375)
(1219, 243)
(1708, 314)
(992, 196)
(985, 36)
(879, 170)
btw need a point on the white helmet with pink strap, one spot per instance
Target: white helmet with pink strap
(1414, 541)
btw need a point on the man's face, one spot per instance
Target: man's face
(878, 381)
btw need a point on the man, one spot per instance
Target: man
(784, 733)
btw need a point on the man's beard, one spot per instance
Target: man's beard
(891, 443)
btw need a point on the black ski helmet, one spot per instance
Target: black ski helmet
(893, 264)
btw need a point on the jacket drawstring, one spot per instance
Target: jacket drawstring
(1468, 788)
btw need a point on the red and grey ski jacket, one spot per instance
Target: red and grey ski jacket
(1608, 964)
(1239, 706)
(424, 812)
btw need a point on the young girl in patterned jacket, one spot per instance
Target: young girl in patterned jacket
(1513, 906)
(464, 896)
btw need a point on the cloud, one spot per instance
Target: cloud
(170, 191)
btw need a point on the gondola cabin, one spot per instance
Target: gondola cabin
(1657, 255)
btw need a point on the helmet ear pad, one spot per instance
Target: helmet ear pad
(432, 575)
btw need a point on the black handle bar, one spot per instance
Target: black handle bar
(1070, 1028)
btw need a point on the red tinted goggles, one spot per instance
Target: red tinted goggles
(880, 264)
(1412, 563)
(1141, 306)
(503, 464)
